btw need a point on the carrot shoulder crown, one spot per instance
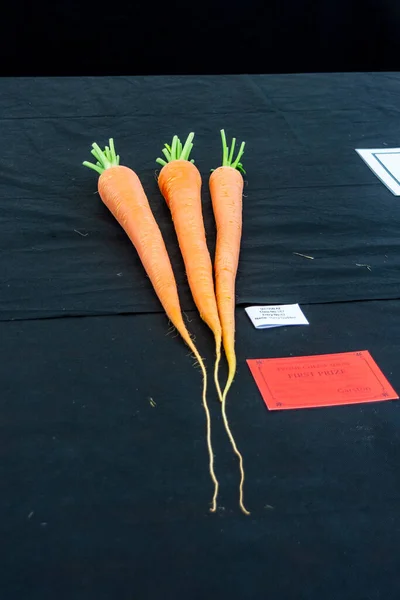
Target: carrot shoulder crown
(177, 151)
(106, 158)
(227, 154)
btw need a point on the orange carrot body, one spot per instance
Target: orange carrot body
(121, 191)
(226, 188)
(180, 184)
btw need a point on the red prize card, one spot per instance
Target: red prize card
(322, 380)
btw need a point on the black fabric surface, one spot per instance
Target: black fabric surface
(106, 496)
(49, 38)
(103, 461)
(307, 190)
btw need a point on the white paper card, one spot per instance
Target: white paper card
(385, 163)
(264, 317)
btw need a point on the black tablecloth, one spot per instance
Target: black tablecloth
(105, 487)
(106, 496)
(307, 190)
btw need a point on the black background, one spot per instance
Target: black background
(104, 495)
(73, 37)
(307, 190)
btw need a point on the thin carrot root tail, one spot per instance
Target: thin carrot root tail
(231, 375)
(238, 454)
(208, 421)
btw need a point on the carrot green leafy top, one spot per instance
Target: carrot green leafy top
(176, 151)
(105, 158)
(227, 154)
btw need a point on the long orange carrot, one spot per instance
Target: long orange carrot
(180, 184)
(121, 191)
(226, 188)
